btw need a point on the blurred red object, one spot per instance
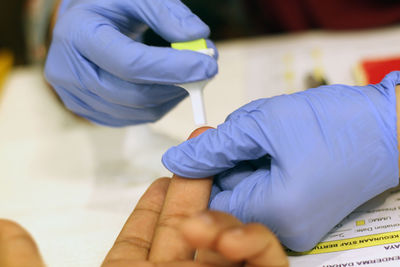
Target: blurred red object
(371, 71)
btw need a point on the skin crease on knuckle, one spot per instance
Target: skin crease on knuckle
(172, 220)
(133, 241)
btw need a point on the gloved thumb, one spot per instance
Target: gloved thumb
(170, 19)
(247, 199)
(217, 150)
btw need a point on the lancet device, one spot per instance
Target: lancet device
(195, 89)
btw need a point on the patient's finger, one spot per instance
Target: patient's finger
(221, 232)
(185, 197)
(189, 263)
(134, 241)
(17, 248)
(202, 230)
(254, 244)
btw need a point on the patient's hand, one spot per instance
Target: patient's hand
(170, 222)
(17, 248)
(221, 239)
(167, 226)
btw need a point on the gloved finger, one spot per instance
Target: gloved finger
(99, 111)
(102, 43)
(249, 195)
(221, 201)
(253, 105)
(210, 44)
(218, 150)
(132, 95)
(142, 116)
(214, 191)
(126, 101)
(136, 62)
(123, 119)
(386, 88)
(171, 19)
(390, 81)
(81, 108)
(63, 5)
(266, 197)
(228, 179)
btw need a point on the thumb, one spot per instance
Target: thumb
(219, 149)
(249, 199)
(171, 19)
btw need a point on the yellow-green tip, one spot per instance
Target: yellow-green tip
(194, 45)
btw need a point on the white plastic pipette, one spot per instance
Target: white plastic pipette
(195, 89)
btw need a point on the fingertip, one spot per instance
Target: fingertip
(11, 228)
(210, 44)
(180, 24)
(212, 68)
(199, 131)
(172, 160)
(227, 243)
(162, 182)
(197, 230)
(253, 243)
(157, 190)
(186, 29)
(168, 157)
(192, 158)
(203, 229)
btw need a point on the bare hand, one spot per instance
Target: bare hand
(17, 248)
(170, 222)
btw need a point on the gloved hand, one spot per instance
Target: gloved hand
(299, 163)
(102, 71)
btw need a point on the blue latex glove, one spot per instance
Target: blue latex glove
(299, 163)
(102, 71)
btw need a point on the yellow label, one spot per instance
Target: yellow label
(351, 243)
(194, 45)
(360, 222)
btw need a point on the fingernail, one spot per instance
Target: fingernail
(236, 232)
(206, 218)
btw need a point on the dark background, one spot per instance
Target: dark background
(11, 28)
(224, 18)
(239, 18)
